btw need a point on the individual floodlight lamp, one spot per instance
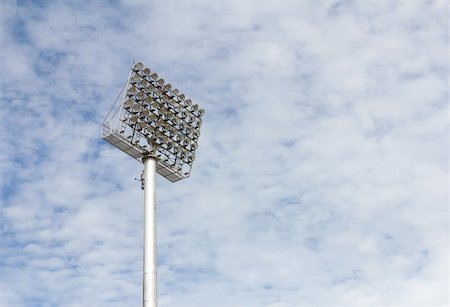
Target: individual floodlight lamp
(158, 126)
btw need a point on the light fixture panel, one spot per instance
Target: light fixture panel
(155, 119)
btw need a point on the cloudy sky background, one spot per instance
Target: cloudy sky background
(321, 173)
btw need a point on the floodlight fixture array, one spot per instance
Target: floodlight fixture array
(158, 126)
(155, 119)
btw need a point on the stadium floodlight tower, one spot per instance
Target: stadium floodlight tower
(158, 126)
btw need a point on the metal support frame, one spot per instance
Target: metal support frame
(150, 276)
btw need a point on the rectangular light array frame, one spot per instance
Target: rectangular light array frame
(155, 120)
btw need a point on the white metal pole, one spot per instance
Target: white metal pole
(149, 282)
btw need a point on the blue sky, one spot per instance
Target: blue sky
(321, 176)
